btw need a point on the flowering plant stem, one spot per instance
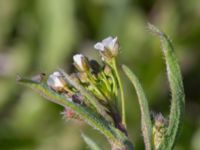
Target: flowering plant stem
(96, 101)
(123, 109)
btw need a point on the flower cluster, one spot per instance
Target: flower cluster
(100, 80)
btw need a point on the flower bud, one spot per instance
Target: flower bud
(107, 70)
(109, 47)
(38, 78)
(95, 66)
(74, 77)
(81, 62)
(159, 129)
(83, 77)
(56, 82)
(77, 98)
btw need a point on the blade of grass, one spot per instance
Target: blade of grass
(145, 114)
(176, 87)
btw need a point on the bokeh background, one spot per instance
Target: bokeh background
(41, 35)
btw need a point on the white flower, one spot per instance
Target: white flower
(56, 81)
(108, 46)
(108, 43)
(78, 59)
(80, 62)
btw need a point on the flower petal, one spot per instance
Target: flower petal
(54, 80)
(106, 42)
(99, 46)
(78, 59)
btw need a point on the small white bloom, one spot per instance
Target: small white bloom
(78, 59)
(55, 81)
(99, 46)
(108, 43)
(80, 62)
(109, 47)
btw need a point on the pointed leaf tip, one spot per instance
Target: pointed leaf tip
(153, 29)
(176, 87)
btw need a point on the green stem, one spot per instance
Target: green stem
(121, 92)
(114, 88)
(94, 85)
(105, 80)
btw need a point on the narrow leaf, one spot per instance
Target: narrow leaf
(146, 120)
(91, 143)
(86, 114)
(176, 87)
(89, 116)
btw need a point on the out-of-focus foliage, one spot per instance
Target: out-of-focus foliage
(42, 35)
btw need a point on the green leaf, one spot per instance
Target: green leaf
(91, 143)
(146, 120)
(176, 87)
(87, 114)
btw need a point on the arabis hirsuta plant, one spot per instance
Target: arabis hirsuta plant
(94, 94)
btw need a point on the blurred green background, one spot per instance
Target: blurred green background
(42, 35)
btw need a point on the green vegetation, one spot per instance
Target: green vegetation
(39, 36)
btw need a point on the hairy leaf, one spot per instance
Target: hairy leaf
(146, 120)
(87, 114)
(176, 87)
(99, 123)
